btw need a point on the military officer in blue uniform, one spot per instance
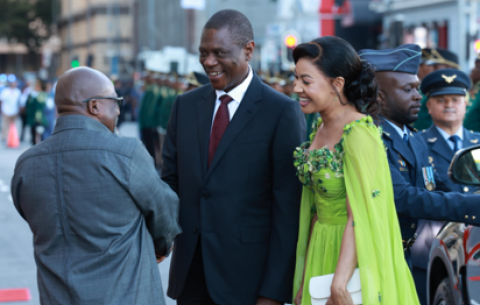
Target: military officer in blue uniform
(419, 193)
(446, 91)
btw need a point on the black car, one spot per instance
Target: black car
(453, 276)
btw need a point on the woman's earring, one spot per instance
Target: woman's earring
(335, 99)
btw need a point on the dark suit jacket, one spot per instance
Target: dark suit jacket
(244, 208)
(97, 210)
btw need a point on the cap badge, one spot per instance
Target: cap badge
(449, 79)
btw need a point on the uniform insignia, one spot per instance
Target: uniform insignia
(430, 160)
(403, 169)
(402, 163)
(449, 79)
(471, 131)
(386, 133)
(432, 140)
(411, 134)
(415, 129)
(424, 131)
(474, 141)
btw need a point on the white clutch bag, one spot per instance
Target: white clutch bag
(320, 288)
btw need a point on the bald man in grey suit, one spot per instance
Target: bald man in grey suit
(100, 215)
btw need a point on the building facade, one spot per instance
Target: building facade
(97, 33)
(449, 24)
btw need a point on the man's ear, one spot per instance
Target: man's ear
(428, 105)
(248, 49)
(382, 98)
(93, 107)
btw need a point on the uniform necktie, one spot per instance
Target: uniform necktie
(455, 139)
(222, 118)
(405, 138)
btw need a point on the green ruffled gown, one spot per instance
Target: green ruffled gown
(357, 168)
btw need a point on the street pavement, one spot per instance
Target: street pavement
(17, 265)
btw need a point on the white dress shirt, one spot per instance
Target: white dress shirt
(459, 133)
(236, 94)
(10, 98)
(399, 130)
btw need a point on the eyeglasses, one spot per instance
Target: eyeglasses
(118, 99)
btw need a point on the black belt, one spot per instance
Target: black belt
(409, 242)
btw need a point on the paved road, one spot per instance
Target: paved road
(17, 266)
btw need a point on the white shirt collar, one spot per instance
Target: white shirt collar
(239, 91)
(399, 130)
(444, 134)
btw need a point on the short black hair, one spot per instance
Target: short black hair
(236, 23)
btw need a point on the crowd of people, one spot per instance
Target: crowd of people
(246, 222)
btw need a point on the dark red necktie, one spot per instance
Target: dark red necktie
(222, 118)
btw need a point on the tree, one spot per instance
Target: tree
(26, 21)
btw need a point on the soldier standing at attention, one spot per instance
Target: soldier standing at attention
(148, 117)
(418, 192)
(472, 118)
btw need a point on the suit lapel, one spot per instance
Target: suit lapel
(243, 115)
(416, 142)
(397, 142)
(204, 120)
(439, 144)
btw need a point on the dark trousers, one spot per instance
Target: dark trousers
(420, 278)
(150, 140)
(195, 291)
(23, 117)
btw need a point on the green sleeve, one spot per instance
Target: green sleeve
(307, 211)
(385, 276)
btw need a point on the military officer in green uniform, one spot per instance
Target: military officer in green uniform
(35, 107)
(472, 118)
(148, 116)
(438, 59)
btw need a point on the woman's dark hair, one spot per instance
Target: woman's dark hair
(335, 57)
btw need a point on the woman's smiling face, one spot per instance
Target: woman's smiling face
(312, 87)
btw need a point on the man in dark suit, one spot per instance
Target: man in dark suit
(98, 211)
(419, 193)
(228, 155)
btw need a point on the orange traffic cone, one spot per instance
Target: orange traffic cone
(13, 141)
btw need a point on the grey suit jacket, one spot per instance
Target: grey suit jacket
(98, 212)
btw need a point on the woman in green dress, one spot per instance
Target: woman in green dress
(348, 218)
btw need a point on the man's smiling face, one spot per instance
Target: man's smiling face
(224, 61)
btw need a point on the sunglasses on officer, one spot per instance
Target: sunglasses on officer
(118, 99)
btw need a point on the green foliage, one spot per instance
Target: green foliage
(26, 21)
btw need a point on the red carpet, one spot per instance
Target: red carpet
(14, 295)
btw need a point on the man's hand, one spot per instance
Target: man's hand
(265, 301)
(160, 259)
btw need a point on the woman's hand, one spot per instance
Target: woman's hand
(339, 296)
(298, 297)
